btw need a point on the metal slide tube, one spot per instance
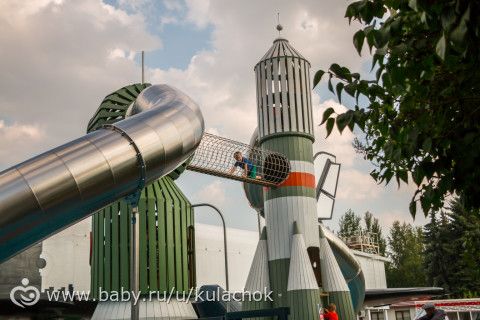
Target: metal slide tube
(51, 191)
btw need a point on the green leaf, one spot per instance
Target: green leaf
(403, 175)
(326, 114)
(441, 47)
(318, 76)
(358, 39)
(344, 120)
(388, 175)
(418, 175)
(339, 91)
(351, 88)
(426, 203)
(458, 35)
(335, 68)
(413, 208)
(330, 86)
(341, 72)
(427, 144)
(413, 4)
(330, 124)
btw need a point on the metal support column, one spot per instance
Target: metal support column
(132, 200)
(134, 261)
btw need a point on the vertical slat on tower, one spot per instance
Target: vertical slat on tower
(108, 248)
(124, 246)
(161, 235)
(143, 271)
(276, 103)
(152, 239)
(291, 95)
(101, 218)
(284, 102)
(268, 106)
(115, 247)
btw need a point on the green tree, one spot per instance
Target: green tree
(452, 253)
(420, 114)
(350, 224)
(437, 252)
(372, 225)
(406, 252)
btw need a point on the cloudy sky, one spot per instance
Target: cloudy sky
(59, 58)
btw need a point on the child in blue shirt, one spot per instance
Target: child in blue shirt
(249, 170)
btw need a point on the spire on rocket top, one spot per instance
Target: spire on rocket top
(279, 26)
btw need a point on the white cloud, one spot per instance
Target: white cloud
(63, 57)
(18, 139)
(355, 185)
(213, 192)
(222, 80)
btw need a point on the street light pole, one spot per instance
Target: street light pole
(224, 238)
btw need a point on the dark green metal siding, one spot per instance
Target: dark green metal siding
(165, 215)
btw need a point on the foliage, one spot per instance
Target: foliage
(351, 224)
(406, 252)
(452, 240)
(372, 225)
(421, 114)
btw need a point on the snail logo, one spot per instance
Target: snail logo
(24, 295)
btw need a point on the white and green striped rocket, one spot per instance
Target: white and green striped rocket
(286, 126)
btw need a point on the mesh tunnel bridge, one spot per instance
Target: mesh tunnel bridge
(215, 156)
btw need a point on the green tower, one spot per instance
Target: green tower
(166, 228)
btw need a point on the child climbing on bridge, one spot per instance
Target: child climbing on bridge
(249, 169)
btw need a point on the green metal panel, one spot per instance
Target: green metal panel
(101, 246)
(94, 262)
(177, 238)
(108, 249)
(152, 240)
(124, 245)
(305, 304)
(143, 271)
(278, 281)
(293, 147)
(291, 191)
(115, 248)
(162, 243)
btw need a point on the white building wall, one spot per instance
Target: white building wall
(209, 252)
(373, 267)
(67, 256)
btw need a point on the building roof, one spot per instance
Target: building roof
(282, 48)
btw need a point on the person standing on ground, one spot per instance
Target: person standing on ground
(432, 312)
(330, 312)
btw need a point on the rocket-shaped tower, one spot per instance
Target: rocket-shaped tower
(286, 126)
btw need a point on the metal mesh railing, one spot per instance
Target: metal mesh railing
(235, 160)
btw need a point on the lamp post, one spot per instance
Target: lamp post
(224, 239)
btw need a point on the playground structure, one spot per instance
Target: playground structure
(142, 138)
